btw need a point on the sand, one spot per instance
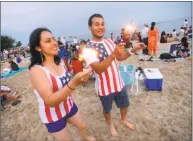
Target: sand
(158, 116)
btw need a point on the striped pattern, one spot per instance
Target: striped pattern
(109, 81)
(52, 114)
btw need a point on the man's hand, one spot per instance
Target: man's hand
(120, 48)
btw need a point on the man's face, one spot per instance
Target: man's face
(98, 27)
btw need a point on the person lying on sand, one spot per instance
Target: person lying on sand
(53, 87)
(109, 84)
(6, 91)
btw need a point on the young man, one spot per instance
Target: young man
(109, 84)
(144, 34)
(185, 25)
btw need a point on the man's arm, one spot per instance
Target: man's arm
(124, 55)
(100, 67)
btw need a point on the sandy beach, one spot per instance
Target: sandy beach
(158, 116)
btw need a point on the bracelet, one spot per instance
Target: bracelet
(130, 52)
(70, 87)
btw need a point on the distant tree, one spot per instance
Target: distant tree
(7, 42)
(18, 44)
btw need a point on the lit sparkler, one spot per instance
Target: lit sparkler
(87, 52)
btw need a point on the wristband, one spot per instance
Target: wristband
(130, 52)
(70, 87)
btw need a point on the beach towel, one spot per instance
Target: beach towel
(12, 73)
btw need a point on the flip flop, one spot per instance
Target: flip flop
(150, 59)
(16, 102)
(141, 60)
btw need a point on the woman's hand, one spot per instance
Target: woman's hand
(80, 78)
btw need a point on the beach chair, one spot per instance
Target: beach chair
(76, 66)
(128, 75)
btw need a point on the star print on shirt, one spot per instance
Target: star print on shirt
(100, 48)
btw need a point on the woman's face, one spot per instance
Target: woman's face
(48, 45)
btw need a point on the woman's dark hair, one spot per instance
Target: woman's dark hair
(11, 62)
(174, 30)
(184, 42)
(34, 41)
(163, 33)
(152, 25)
(93, 16)
(13, 65)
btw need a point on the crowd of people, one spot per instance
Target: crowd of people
(150, 37)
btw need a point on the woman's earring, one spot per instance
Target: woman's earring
(41, 56)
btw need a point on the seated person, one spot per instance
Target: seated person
(74, 52)
(13, 66)
(165, 38)
(18, 59)
(189, 30)
(183, 48)
(5, 92)
(82, 45)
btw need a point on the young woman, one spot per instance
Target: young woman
(152, 39)
(53, 86)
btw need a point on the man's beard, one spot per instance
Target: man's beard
(98, 37)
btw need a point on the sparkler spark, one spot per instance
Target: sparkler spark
(87, 52)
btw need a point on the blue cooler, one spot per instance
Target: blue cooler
(153, 80)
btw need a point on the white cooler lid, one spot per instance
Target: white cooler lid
(153, 73)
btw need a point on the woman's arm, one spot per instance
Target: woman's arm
(41, 83)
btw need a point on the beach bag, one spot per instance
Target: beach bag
(166, 56)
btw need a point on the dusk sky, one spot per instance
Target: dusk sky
(19, 19)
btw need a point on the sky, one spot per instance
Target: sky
(19, 19)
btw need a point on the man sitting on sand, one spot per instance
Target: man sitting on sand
(109, 84)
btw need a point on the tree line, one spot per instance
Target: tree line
(7, 42)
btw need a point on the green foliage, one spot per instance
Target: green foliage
(18, 44)
(7, 42)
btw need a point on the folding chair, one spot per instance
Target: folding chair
(76, 66)
(128, 75)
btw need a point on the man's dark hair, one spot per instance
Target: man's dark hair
(93, 16)
(174, 30)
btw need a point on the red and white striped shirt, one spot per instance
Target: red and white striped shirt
(109, 81)
(52, 114)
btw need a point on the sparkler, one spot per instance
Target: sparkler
(87, 52)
